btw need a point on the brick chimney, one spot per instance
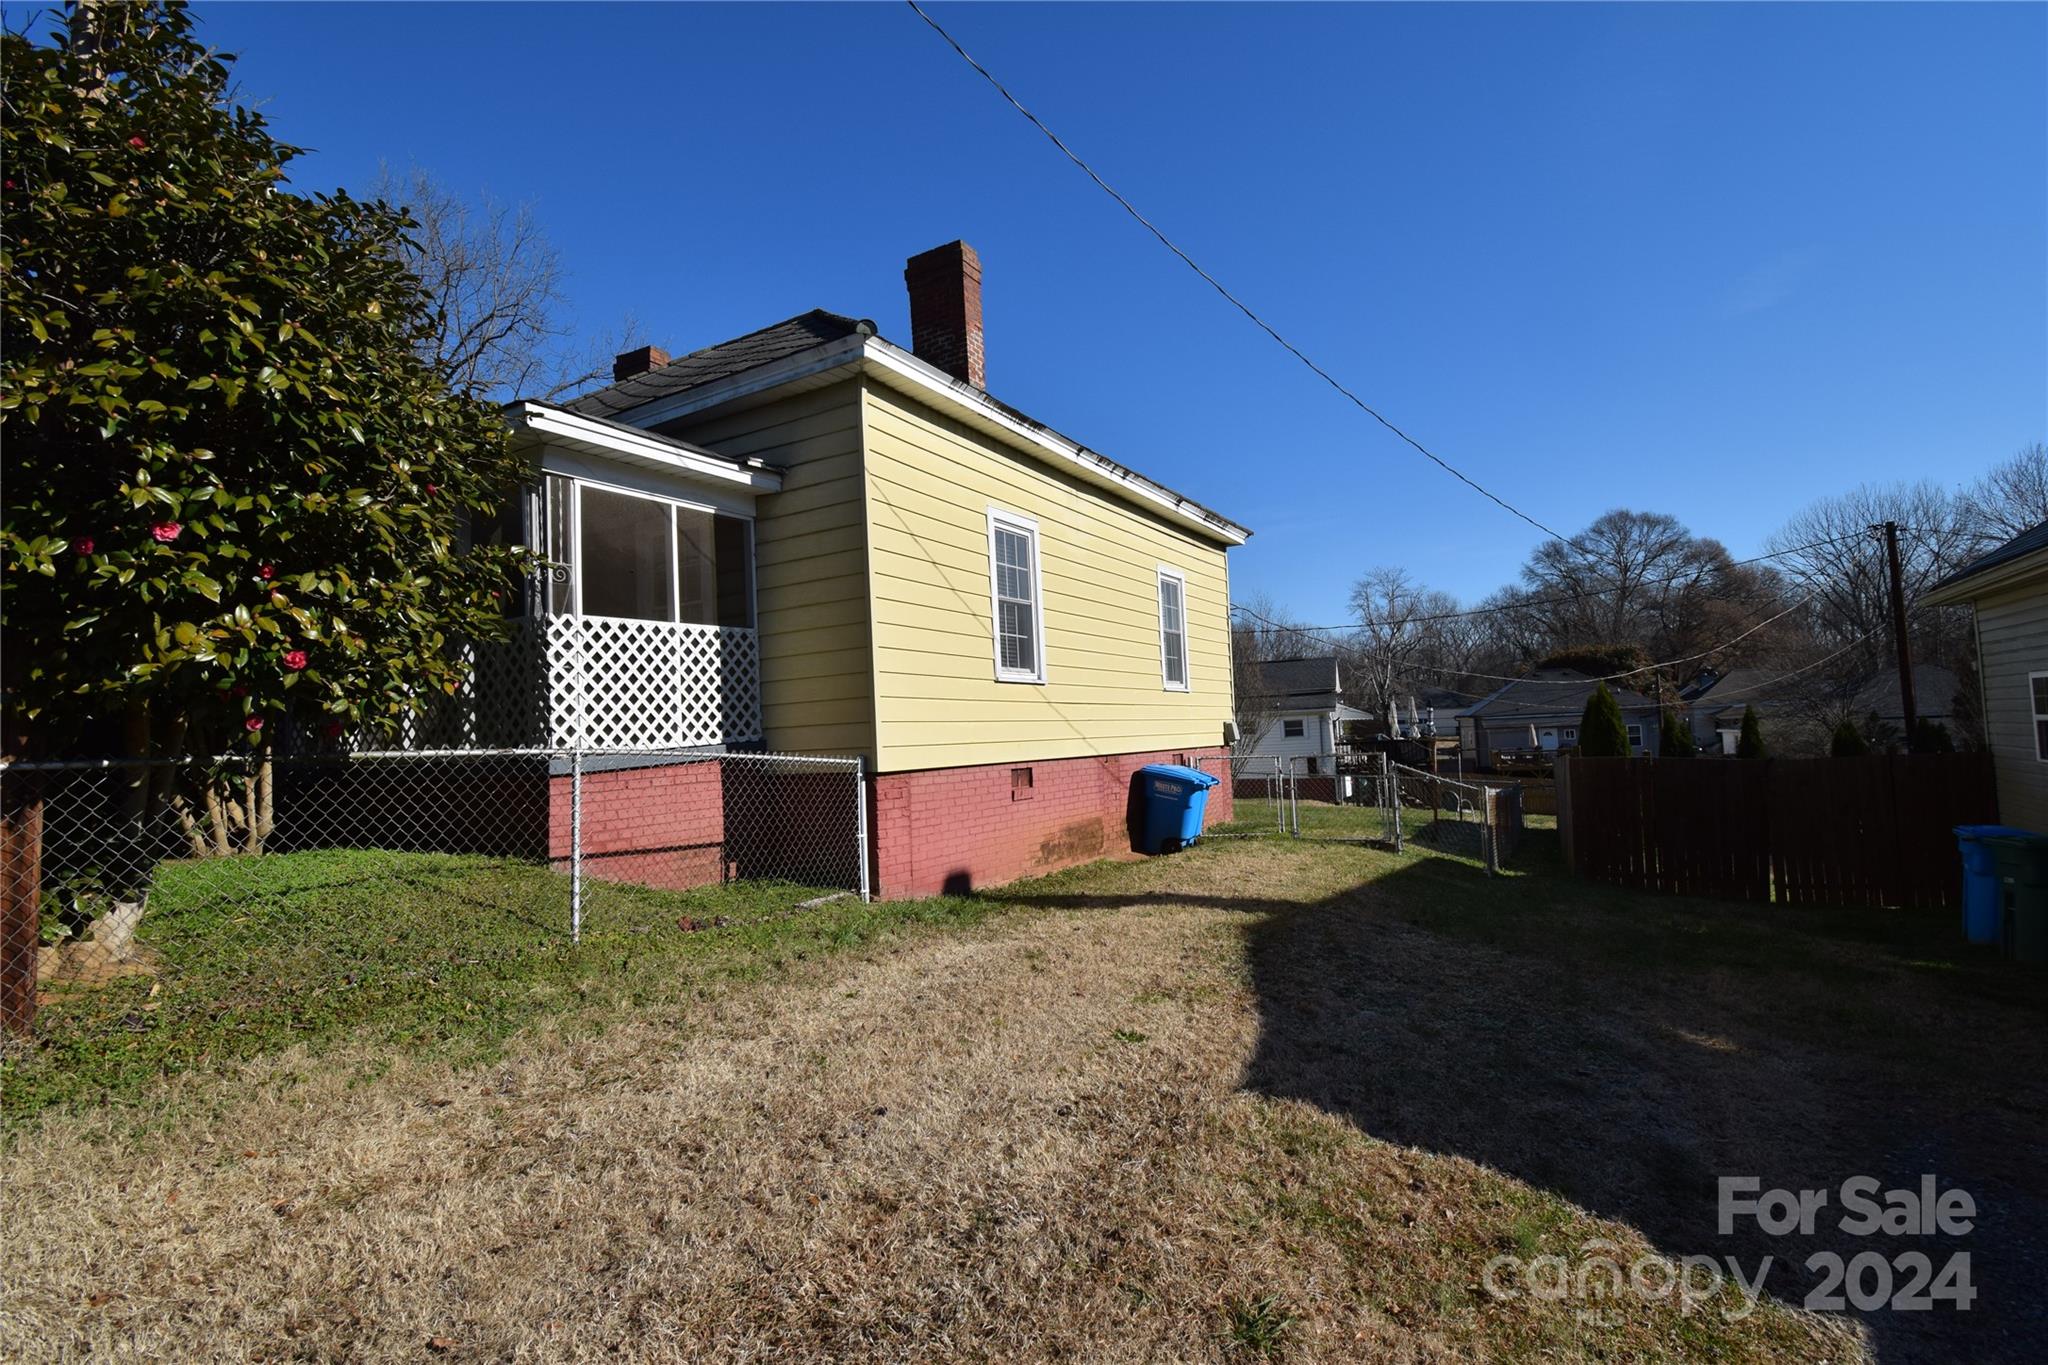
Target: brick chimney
(945, 310)
(638, 362)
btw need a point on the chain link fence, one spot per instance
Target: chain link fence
(119, 869)
(1369, 798)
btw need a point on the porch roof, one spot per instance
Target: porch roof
(538, 423)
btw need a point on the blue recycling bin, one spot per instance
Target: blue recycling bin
(1174, 800)
(1983, 884)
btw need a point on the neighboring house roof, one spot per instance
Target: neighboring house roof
(1934, 694)
(820, 346)
(1302, 684)
(1550, 694)
(1727, 696)
(2008, 563)
(780, 341)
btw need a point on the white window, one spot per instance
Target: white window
(1571, 736)
(2037, 685)
(1635, 736)
(1016, 598)
(642, 558)
(1290, 729)
(1173, 629)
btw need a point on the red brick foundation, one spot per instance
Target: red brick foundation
(960, 829)
(661, 825)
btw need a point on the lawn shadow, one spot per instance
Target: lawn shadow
(1625, 1051)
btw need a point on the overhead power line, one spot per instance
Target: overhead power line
(1232, 299)
(1607, 677)
(1562, 599)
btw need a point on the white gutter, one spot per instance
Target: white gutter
(645, 449)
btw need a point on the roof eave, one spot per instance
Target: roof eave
(1969, 585)
(547, 423)
(833, 361)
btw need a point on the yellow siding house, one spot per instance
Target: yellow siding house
(1002, 622)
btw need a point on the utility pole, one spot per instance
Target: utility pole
(1904, 649)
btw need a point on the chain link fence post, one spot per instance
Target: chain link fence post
(860, 823)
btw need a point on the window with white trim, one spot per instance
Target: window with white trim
(1015, 596)
(1635, 736)
(2037, 688)
(643, 558)
(1290, 729)
(1173, 629)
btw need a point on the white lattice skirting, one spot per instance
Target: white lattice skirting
(619, 684)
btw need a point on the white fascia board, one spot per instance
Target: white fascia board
(605, 441)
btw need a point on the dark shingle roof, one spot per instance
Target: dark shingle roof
(2025, 543)
(1309, 683)
(1551, 692)
(787, 338)
(1934, 694)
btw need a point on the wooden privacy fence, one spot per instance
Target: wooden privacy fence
(1875, 830)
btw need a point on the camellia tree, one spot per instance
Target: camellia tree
(234, 491)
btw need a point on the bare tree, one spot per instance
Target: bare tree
(2013, 497)
(1260, 632)
(1400, 641)
(498, 282)
(1832, 555)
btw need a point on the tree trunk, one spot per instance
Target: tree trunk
(21, 878)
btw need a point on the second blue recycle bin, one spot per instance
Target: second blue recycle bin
(1173, 801)
(1983, 886)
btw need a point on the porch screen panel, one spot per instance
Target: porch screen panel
(557, 496)
(1017, 641)
(713, 561)
(625, 568)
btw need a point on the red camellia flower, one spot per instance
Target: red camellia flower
(432, 489)
(165, 532)
(137, 141)
(82, 545)
(253, 724)
(239, 692)
(295, 659)
(266, 572)
(332, 729)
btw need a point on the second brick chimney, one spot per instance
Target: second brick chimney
(630, 363)
(945, 310)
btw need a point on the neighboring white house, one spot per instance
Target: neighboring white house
(2008, 588)
(1309, 714)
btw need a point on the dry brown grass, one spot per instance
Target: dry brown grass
(1030, 1140)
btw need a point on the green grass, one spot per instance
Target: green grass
(409, 952)
(1323, 820)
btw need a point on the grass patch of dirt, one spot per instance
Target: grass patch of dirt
(408, 952)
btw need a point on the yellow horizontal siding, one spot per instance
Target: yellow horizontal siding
(810, 566)
(930, 483)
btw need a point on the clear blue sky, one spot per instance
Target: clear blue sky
(1713, 260)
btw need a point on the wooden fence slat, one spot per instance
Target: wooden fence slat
(1874, 830)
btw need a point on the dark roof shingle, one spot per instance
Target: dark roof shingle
(2025, 543)
(789, 337)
